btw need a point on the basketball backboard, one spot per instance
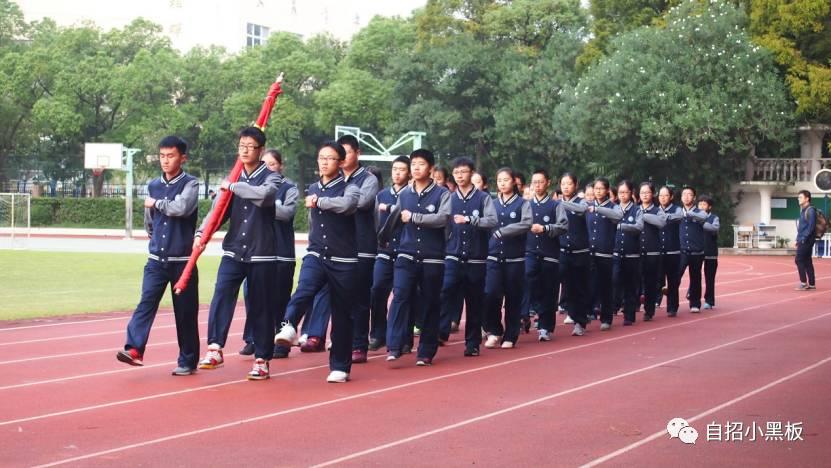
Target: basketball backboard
(103, 155)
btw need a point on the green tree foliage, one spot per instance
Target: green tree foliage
(799, 34)
(687, 102)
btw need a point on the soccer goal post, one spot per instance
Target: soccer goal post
(15, 220)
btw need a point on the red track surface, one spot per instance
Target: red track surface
(763, 355)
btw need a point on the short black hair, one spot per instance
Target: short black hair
(706, 199)
(424, 154)
(464, 162)
(402, 159)
(602, 181)
(806, 193)
(254, 133)
(691, 188)
(274, 153)
(628, 185)
(541, 171)
(570, 175)
(520, 176)
(173, 141)
(351, 141)
(511, 174)
(335, 146)
(442, 170)
(669, 189)
(649, 185)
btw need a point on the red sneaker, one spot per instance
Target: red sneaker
(358, 356)
(259, 371)
(131, 356)
(313, 345)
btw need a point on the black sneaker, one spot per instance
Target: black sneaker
(375, 344)
(471, 351)
(406, 348)
(280, 352)
(247, 350)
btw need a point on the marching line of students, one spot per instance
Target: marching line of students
(382, 262)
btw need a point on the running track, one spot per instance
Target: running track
(762, 355)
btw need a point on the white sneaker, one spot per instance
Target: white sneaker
(259, 371)
(507, 344)
(544, 335)
(337, 376)
(492, 341)
(287, 336)
(695, 310)
(707, 306)
(213, 358)
(578, 330)
(605, 326)
(568, 320)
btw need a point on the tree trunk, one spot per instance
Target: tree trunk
(97, 184)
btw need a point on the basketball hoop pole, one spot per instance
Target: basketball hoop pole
(128, 228)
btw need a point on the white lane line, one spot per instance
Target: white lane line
(176, 392)
(706, 413)
(557, 395)
(87, 335)
(77, 322)
(428, 380)
(651, 330)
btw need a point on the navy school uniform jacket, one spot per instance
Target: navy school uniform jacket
(602, 226)
(250, 237)
(653, 221)
(172, 220)
(628, 235)
(552, 216)
(576, 239)
(711, 228)
(389, 197)
(508, 239)
(691, 231)
(670, 233)
(469, 241)
(424, 237)
(806, 225)
(285, 207)
(332, 223)
(366, 236)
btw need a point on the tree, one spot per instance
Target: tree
(615, 17)
(686, 101)
(799, 35)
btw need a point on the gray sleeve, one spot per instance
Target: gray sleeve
(488, 220)
(637, 226)
(148, 221)
(369, 190)
(345, 204)
(697, 216)
(183, 204)
(561, 223)
(579, 208)
(614, 214)
(259, 195)
(285, 211)
(435, 220)
(714, 226)
(518, 228)
(675, 217)
(657, 220)
(208, 216)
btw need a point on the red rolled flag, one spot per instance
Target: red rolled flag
(224, 197)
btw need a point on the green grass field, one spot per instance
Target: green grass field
(43, 284)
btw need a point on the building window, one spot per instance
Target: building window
(255, 34)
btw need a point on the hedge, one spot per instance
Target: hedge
(108, 213)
